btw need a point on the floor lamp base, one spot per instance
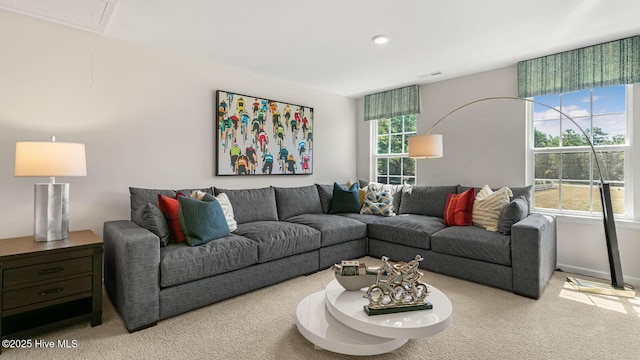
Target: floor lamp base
(599, 288)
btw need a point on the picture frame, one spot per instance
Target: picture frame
(258, 136)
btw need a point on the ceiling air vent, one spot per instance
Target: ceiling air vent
(92, 15)
(424, 76)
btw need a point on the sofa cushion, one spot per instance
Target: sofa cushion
(525, 191)
(201, 221)
(334, 229)
(278, 239)
(152, 219)
(227, 209)
(363, 218)
(515, 211)
(474, 243)
(180, 263)
(170, 208)
(378, 203)
(325, 192)
(345, 199)
(394, 190)
(425, 200)
(251, 205)
(458, 209)
(225, 204)
(408, 229)
(488, 206)
(139, 197)
(297, 200)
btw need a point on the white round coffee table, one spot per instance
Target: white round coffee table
(334, 319)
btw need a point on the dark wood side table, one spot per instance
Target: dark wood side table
(46, 285)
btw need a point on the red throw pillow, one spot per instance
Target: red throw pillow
(457, 210)
(169, 207)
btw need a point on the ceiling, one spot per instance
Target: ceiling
(327, 44)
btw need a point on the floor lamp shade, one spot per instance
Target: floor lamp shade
(51, 200)
(425, 146)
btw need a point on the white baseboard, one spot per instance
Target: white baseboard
(597, 274)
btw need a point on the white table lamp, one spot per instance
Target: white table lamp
(51, 200)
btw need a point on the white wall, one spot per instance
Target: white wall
(146, 118)
(485, 144)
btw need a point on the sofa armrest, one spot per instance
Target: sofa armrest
(131, 272)
(533, 254)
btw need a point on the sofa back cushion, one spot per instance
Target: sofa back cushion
(325, 191)
(425, 200)
(140, 197)
(297, 201)
(251, 205)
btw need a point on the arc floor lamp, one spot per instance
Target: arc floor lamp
(429, 146)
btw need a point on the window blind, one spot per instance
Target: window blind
(388, 104)
(612, 63)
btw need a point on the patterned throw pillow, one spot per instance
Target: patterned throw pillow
(488, 207)
(225, 204)
(458, 209)
(378, 203)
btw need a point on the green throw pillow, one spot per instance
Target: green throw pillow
(345, 200)
(201, 221)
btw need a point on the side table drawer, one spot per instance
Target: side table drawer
(45, 292)
(46, 271)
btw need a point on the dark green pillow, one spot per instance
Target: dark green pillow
(201, 221)
(345, 200)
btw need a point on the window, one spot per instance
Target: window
(565, 174)
(391, 155)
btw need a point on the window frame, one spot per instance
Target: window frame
(626, 148)
(404, 155)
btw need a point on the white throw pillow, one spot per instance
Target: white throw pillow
(488, 206)
(227, 209)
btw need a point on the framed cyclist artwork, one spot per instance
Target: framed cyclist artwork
(257, 136)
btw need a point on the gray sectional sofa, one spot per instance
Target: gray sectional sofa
(287, 232)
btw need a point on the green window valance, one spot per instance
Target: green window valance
(387, 104)
(612, 63)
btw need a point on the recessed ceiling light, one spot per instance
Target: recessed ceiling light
(380, 39)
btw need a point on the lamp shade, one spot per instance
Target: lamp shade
(50, 159)
(425, 146)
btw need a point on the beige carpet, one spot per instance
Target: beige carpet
(487, 324)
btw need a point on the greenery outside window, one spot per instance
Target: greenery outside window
(391, 155)
(565, 175)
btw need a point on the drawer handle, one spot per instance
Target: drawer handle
(51, 291)
(51, 271)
